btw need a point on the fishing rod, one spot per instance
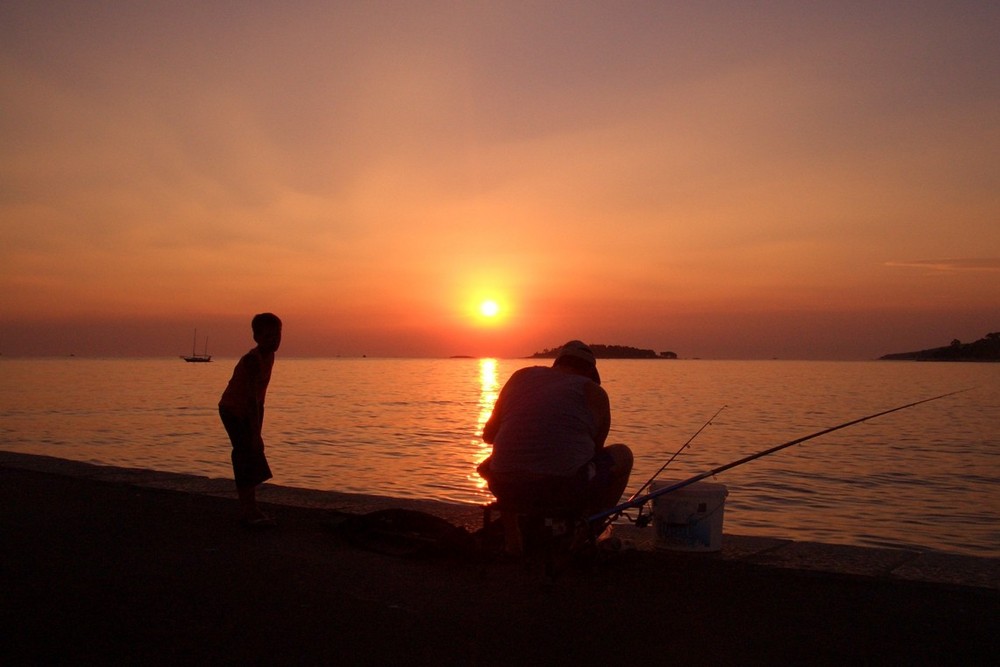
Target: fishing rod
(671, 459)
(675, 454)
(642, 500)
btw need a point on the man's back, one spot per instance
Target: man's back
(543, 423)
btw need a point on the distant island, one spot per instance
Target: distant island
(611, 352)
(984, 349)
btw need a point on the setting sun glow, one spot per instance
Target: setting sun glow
(453, 186)
(489, 308)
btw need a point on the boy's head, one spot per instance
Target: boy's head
(266, 330)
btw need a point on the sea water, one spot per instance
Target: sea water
(922, 477)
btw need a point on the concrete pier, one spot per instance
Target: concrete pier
(104, 565)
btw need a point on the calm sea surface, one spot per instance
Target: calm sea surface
(926, 476)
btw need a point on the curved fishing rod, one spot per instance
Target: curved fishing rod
(674, 456)
(643, 521)
(642, 500)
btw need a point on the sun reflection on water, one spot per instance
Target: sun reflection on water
(489, 389)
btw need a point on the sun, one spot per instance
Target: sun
(489, 308)
(488, 311)
(486, 308)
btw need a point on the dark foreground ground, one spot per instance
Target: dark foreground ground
(97, 572)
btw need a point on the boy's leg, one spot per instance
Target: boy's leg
(248, 504)
(248, 501)
(249, 464)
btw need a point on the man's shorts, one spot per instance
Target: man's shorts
(573, 494)
(250, 466)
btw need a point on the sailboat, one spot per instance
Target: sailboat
(195, 357)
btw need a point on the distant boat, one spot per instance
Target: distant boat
(196, 358)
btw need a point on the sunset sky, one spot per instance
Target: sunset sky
(718, 179)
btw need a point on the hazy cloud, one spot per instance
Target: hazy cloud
(952, 264)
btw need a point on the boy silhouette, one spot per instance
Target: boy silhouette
(242, 411)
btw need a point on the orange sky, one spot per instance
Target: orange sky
(706, 178)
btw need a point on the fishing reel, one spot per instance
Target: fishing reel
(640, 520)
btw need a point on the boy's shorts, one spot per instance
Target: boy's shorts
(250, 466)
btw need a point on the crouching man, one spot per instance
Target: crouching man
(548, 431)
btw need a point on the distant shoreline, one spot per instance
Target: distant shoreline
(983, 350)
(610, 352)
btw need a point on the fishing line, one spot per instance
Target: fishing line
(616, 511)
(670, 460)
(674, 456)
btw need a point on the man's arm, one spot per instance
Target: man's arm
(492, 424)
(599, 406)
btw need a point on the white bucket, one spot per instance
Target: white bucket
(690, 518)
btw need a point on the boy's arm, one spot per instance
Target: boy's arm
(256, 404)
